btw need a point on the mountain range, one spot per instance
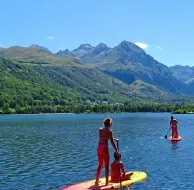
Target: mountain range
(128, 63)
(122, 73)
(183, 73)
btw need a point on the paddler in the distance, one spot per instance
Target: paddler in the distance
(105, 134)
(174, 127)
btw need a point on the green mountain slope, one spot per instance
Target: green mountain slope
(19, 81)
(32, 78)
(22, 86)
(27, 83)
(36, 56)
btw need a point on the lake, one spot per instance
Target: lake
(51, 151)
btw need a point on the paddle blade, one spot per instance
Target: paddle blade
(165, 137)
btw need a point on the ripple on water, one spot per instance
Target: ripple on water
(52, 151)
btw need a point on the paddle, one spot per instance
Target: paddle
(167, 133)
(119, 165)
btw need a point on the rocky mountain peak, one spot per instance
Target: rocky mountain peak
(39, 47)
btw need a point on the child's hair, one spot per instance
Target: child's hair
(116, 156)
(107, 122)
(172, 117)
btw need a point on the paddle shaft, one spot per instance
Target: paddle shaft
(119, 165)
(168, 132)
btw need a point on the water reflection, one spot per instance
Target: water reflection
(175, 145)
(130, 187)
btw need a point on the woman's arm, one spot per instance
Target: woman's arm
(112, 142)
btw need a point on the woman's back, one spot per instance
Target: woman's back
(105, 134)
(173, 122)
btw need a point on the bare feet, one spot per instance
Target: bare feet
(130, 174)
(97, 182)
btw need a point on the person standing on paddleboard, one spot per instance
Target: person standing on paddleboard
(173, 124)
(105, 134)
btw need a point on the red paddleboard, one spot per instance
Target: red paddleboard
(175, 139)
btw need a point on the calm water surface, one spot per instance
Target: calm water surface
(56, 150)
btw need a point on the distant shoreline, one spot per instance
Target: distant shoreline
(91, 113)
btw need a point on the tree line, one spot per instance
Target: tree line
(72, 107)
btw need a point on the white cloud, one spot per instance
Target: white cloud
(159, 47)
(146, 46)
(50, 38)
(142, 45)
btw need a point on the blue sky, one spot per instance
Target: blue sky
(164, 28)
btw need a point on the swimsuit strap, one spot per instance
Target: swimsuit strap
(101, 139)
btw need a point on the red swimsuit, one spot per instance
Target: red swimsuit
(174, 128)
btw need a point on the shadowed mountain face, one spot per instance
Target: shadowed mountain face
(96, 54)
(128, 63)
(82, 50)
(64, 53)
(183, 73)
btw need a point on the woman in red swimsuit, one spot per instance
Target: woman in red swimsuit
(105, 134)
(173, 124)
